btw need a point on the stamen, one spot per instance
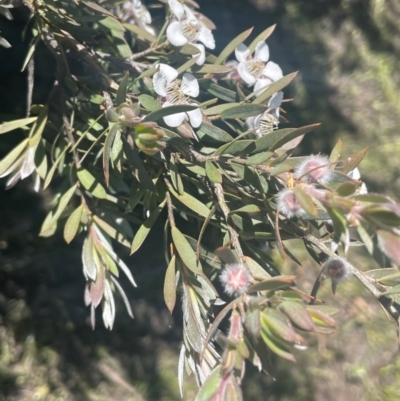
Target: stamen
(255, 67)
(267, 124)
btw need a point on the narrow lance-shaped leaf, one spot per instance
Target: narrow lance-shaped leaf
(121, 92)
(263, 36)
(145, 228)
(89, 265)
(170, 285)
(213, 173)
(12, 125)
(107, 152)
(185, 251)
(12, 156)
(91, 184)
(72, 224)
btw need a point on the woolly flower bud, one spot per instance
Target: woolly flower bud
(337, 268)
(288, 204)
(235, 279)
(314, 169)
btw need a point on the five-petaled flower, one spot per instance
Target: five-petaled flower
(187, 28)
(257, 70)
(268, 121)
(174, 91)
(136, 13)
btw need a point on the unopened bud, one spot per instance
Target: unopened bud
(337, 269)
(235, 279)
(314, 169)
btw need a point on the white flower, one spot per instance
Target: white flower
(256, 70)
(136, 13)
(174, 92)
(186, 28)
(268, 121)
(355, 175)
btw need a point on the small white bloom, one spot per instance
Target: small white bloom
(174, 91)
(136, 13)
(355, 175)
(268, 121)
(186, 28)
(257, 70)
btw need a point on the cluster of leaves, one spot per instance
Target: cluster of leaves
(126, 140)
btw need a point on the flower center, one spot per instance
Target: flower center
(255, 67)
(190, 29)
(175, 94)
(267, 124)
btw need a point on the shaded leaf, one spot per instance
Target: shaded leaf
(219, 108)
(121, 92)
(108, 144)
(213, 173)
(226, 255)
(210, 386)
(246, 209)
(145, 228)
(298, 315)
(256, 270)
(305, 201)
(273, 283)
(190, 202)
(243, 111)
(209, 130)
(389, 243)
(149, 103)
(140, 32)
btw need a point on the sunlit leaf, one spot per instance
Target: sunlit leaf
(91, 184)
(243, 111)
(170, 285)
(12, 125)
(191, 202)
(274, 87)
(213, 173)
(185, 251)
(263, 36)
(72, 224)
(390, 245)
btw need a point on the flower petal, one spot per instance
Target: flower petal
(245, 75)
(275, 101)
(175, 34)
(205, 36)
(242, 53)
(189, 85)
(261, 84)
(250, 122)
(196, 117)
(262, 51)
(202, 57)
(174, 120)
(272, 71)
(160, 83)
(189, 13)
(177, 8)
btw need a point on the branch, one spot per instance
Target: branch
(219, 192)
(147, 51)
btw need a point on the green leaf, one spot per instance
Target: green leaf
(62, 204)
(262, 37)
(353, 162)
(336, 152)
(226, 255)
(274, 87)
(145, 228)
(12, 156)
(259, 158)
(91, 184)
(175, 176)
(167, 111)
(184, 67)
(30, 53)
(230, 48)
(72, 224)
(381, 216)
(170, 285)
(256, 270)
(185, 251)
(112, 24)
(298, 315)
(12, 125)
(107, 151)
(305, 201)
(274, 346)
(292, 135)
(121, 92)
(273, 283)
(246, 209)
(213, 173)
(149, 103)
(190, 202)
(210, 386)
(37, 129)
(237, 147)
(219, 91)
(243, 111)
(213, 69)
(139, 171)
(189, 50)
(41, 160)
(213, 132)
(137, 30)
(219, 108)
(97, 8)
(53, 169)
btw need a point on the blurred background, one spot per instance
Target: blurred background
(348, 56)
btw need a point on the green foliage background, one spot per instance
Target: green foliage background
(348, 56)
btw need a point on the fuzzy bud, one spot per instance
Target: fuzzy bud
(235, 279)
(288, 204)
(314, 169)
(337, 269)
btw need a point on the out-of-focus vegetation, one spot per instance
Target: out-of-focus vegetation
(348, 56)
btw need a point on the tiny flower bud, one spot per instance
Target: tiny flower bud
(288, 204)
(235, 279)
(314, 169)
(336, 269)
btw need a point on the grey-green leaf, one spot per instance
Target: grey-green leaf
(170, 285)
(72, 224)
(185, 251)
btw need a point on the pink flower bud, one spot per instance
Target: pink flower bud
(314, 169)
(235, 279)
(288, 204)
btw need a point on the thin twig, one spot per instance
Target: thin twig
(30, 82)
(219, 192)
(170, 208)
(147, 51)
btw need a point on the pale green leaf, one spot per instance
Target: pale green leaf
(185, 251)
(170, 285)
(72, 224)
(12, 125)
